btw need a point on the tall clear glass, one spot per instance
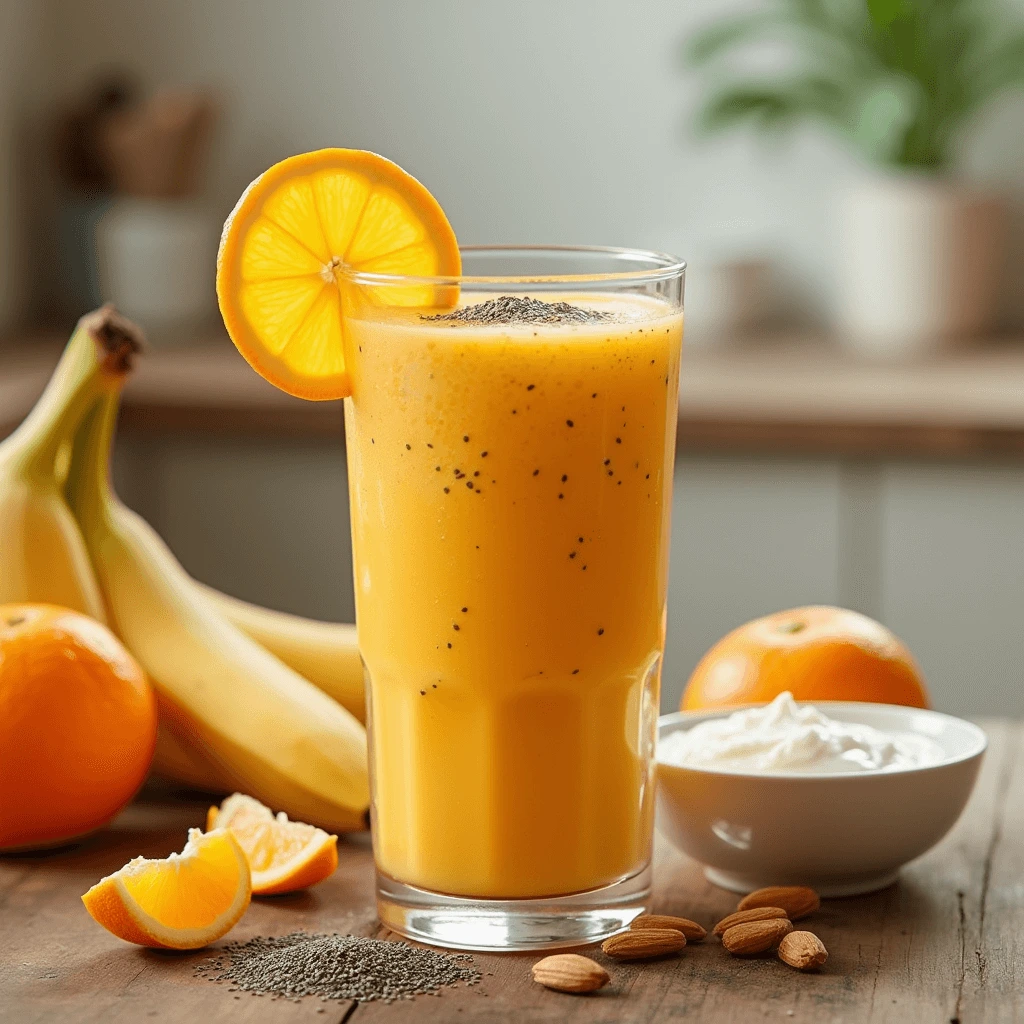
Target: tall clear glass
(510, 473)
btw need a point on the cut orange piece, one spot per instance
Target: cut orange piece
(184, 902)
(286, 247)
(283, 855)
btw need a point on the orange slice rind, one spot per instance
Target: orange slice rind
(284, 856)
(289, 244)
(186, 901)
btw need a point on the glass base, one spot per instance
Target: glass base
(504, 925)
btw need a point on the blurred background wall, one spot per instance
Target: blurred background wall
(543, 121)
(546, 121)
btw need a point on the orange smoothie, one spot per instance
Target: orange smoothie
(510, 491)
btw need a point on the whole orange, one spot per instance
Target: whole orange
(77, 725)
(817, 653)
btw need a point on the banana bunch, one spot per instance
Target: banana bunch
(250, 699)
(42, 554)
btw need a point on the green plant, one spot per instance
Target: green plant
(900, 78)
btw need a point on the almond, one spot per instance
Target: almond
(644, 943)
(570, 972)
(755, 936)
(803, 950)
(796, 900)
(743, 916)
(692, 930)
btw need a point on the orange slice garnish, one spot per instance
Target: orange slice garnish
(283, 855)
(184, 902)
(287, 245)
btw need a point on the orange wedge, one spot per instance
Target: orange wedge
(184, 902)
(283, 855)
(288, 244)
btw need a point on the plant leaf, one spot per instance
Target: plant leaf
(884, 12)
(715, 39)
(884, 116)
(742, 104)
(771, 106)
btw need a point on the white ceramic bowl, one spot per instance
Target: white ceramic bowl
(839, 833)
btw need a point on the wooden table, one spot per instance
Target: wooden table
(944, 944)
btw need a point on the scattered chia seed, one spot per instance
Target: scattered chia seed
(339, 967)
(521, 309)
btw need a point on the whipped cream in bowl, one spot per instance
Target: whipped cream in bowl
(787, 737)
(836, 795)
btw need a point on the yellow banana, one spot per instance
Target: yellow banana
(177, 759)
(325, 653)
(42, 554)
(259, 722)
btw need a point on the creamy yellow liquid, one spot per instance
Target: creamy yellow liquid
(510, 495)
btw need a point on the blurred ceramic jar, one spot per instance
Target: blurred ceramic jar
(920, 260)
(156, 263)
(729, 299)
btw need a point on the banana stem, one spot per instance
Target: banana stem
(88, 487)
(98, 355)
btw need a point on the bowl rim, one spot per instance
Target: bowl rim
(676, 718)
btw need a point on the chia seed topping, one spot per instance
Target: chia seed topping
(521, 309)
(336, 966)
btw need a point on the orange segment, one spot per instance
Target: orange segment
(184, 902)
(283, 855)
(286, 247)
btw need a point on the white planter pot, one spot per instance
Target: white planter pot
(157, 263)
(920, 261)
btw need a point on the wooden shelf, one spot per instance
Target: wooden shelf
(774, 395)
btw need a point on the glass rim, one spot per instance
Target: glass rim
(663, 267)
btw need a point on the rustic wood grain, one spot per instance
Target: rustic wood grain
(943, 944)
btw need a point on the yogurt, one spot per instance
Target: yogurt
(787, 737)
